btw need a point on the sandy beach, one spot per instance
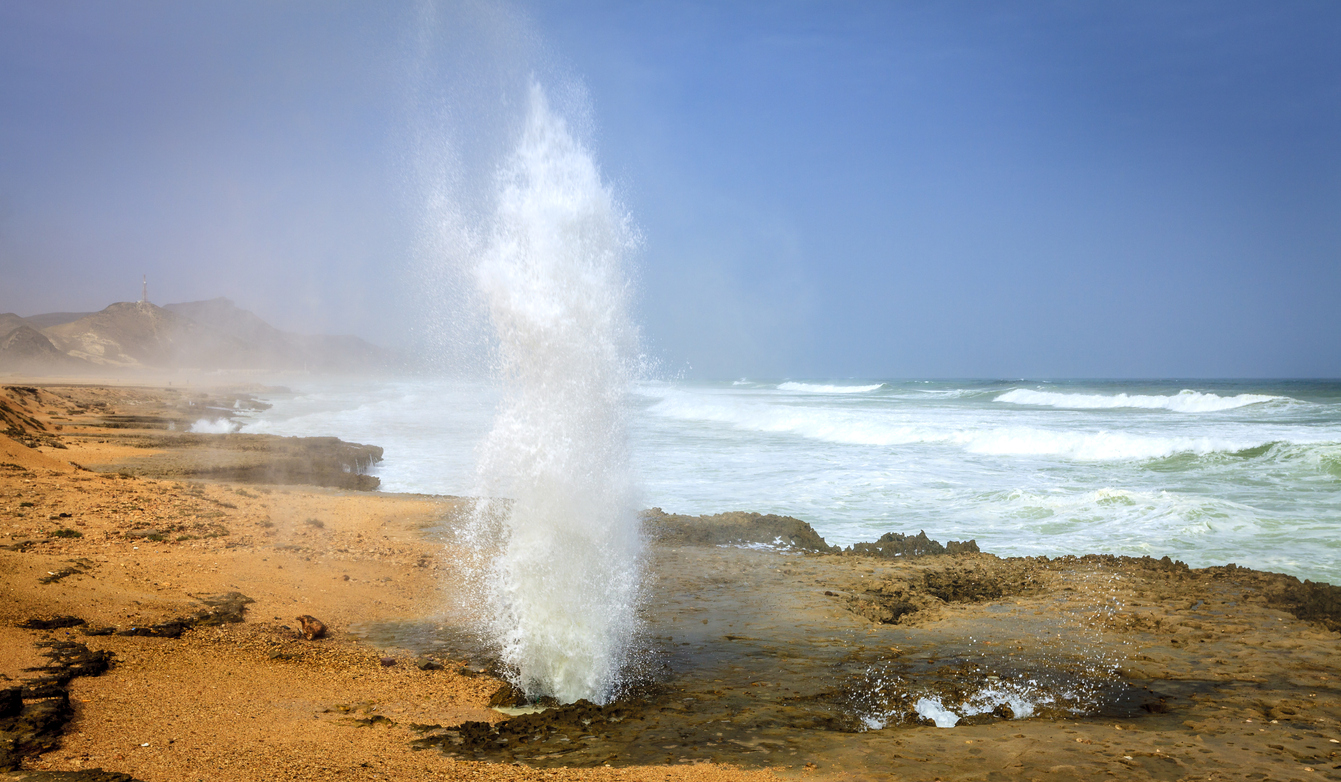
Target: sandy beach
(152, 579)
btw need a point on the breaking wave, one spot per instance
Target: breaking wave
(862, 428)
(825, 388)
(1185, 401)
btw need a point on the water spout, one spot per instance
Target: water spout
(562, 575)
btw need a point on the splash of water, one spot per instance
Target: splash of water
(562, 583)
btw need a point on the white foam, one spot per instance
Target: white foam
(1185, 401)
(932, 709)
(214, 426)
(1022, 698)
(880, 428)
(824, 388)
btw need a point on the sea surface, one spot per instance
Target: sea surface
(1208, 472)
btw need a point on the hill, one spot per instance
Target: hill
(26, 349)
(202, 335)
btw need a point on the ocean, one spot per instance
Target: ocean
(1208, 472)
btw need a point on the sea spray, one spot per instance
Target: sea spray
(562, 554)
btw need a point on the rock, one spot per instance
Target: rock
(735, 528)
(11, 702)
(894, 544)
(311, 627)
(36, 726)
(509, 696)
(83, 775)
(427, 664)
(53, 623)
(223, 609)
(387, 662)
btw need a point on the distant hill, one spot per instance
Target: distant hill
(204, 335)
(26, 349)
(50, 319)
(9, 321)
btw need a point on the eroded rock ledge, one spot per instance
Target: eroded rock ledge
(958, 572)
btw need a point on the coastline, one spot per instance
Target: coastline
(1203, 671)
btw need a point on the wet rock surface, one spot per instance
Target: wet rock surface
(254, 458)
(768, 658)
(33, 715)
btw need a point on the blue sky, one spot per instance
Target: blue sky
(824, 189)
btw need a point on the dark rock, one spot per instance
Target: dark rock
(37, 725)
(52, 624)
(894, 544)
(83, 775)
(312, 627)
(734, 528)
(428, 664)
(508, 696)
(35, 730)
(1310, 601)
(222, 609)
(173, 628)
(387, 662)
(11, 702)
(76, 567)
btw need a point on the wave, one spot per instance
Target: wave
(1185, 401)
(847, 427)
(817, 388)
(943, 393)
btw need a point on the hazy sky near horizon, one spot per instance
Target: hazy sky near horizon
(892, 189)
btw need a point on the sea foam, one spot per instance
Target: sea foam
(881, 428)
(827, 388)
(1185, 401)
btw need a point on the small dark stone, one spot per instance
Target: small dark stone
(428, 664)
(312, 627)
(387, 662)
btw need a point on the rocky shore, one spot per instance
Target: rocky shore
(153, 580)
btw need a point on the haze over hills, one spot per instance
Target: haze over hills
(200, 335)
